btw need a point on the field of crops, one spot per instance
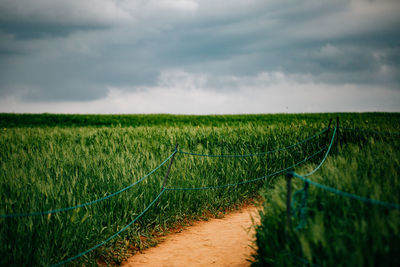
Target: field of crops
(53, 162)
(329, 227)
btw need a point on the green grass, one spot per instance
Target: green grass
(339, 231)
(371, 120)
(54, 161)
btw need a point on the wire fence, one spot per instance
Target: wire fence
(346, 194)
(39, 213)
(337, 191)
(288, 170)
(113, 236)
(298, 209)
(251, 180)
(203, 188)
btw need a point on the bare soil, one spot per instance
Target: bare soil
(217, 242)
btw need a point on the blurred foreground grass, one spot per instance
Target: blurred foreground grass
(338, 231)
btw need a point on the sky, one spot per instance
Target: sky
(199, 56)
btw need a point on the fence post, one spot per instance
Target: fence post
(337, 133)
(169, 167)
(289, 176)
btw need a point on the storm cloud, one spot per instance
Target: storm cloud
(200, 56)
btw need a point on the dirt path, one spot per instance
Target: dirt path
(217, 242)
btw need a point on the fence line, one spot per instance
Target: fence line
(14, 215)
(346, 194)
(252, 180)
(337, 191)
(256, 154)
(290, 174)
(172, 189)
(41, 213)
(326, 155)
(301, 211)
(111, 237)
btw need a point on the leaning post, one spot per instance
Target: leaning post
(169, 167)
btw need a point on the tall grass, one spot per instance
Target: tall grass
(372, 120)
(339, 231)
(45, 168)
(48, 168)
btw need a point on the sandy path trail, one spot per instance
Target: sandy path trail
(217, 242)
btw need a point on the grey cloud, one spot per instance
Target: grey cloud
(78, 54)
(60, 12)
(28, 31)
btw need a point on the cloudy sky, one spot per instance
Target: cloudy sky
(199, 56)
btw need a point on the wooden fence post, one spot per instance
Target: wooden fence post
(169, 167)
